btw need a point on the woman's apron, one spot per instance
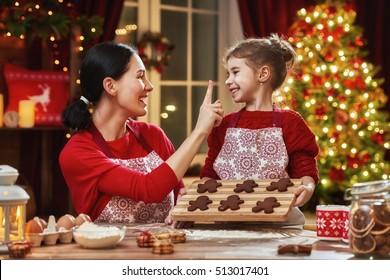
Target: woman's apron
(255, 154)
(125, 210)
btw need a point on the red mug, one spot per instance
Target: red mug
(332, 222)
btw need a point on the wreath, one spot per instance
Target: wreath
(160, 51)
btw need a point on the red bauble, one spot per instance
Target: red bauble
(353, 161)
(342, 98)
(329, 56)
(348, 7)
(306, 94)
(378, 138)
(360, 83)
(316, 80)
(349, 84)
(320, 112)
(331, 92)
(366, 157)
(331, 10)
(336, 174)
(359, 41)
(362, 120)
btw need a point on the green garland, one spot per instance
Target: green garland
(45, 19)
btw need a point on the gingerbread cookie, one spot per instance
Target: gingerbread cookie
(280, 185)
(294, 249)
(210, 186)
(233, 203)
(246, 186)
(200, 203)
(267, 205)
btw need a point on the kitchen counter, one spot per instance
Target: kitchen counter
(213, 241)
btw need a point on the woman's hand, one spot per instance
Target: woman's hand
(210, 114)
(305, 191)
(178, 224)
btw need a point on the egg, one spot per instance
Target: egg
(34, 226)
(82, 218)
(66, 222)
(43, 223)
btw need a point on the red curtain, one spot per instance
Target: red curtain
(374, 17)
(262, 17)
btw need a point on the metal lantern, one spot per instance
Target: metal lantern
(13, 200)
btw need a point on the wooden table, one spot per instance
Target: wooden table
(216, 242)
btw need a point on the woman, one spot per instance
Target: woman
(120, 170)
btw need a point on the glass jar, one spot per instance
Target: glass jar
(369, 219)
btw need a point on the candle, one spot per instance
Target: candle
(26, 113)
(1, 109)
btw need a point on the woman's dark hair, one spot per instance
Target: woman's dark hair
(107, 59)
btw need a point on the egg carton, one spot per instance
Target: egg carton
(62, 231)
(50, 235)
(50, 238)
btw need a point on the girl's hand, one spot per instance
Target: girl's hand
(210, 114)
(305, 191)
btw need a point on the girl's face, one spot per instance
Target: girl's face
(241, 80)
(133, 88)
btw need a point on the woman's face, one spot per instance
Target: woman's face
(241, 80)
(133, 88)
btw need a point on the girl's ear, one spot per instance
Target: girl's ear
(264, 74)
(109, 86)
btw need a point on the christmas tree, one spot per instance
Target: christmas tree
(336, 92)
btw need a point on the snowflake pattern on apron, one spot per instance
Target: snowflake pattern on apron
(252, 153)
(125, 210)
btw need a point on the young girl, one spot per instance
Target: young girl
(120, 170)
(262, 141)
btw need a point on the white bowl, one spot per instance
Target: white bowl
(95, 236)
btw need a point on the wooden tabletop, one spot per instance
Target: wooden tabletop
(207, 242)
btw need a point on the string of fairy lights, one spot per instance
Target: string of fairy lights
(52, 21)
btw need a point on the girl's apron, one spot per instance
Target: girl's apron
(254, 154)
(125, 210)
